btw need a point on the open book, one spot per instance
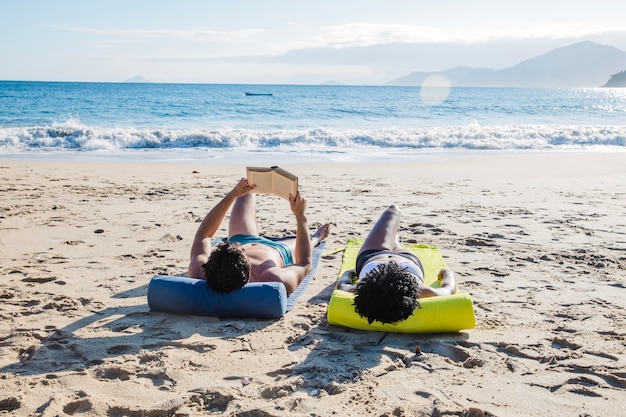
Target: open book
(273, 180)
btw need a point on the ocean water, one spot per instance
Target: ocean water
(220, 123)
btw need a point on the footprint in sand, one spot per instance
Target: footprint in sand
(492, 271)
(211, 401)
(579, 385)
(455, 355)
(39, 280)
(113, 372)
(10, 404)
(277, 391)
(473, 241)
(82, 405)
(123, 349)
(159, 379)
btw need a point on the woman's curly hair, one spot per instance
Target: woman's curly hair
(227, 269)
(387, 293)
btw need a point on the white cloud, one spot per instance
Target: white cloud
(192, 34)
(368, 34)
(288, 38)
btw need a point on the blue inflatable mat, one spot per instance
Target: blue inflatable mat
(182, 295)
(266, 300)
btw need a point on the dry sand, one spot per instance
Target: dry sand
(539, 241)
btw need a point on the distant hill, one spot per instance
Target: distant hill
(585, 64)
(616, 80)
(137, 79)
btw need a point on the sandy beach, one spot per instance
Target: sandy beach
(538, 240)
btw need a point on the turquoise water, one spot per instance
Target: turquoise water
(220, 122)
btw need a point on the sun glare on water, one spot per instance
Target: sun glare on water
(435, 89)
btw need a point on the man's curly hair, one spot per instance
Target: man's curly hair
(227, 269)
(387, 293)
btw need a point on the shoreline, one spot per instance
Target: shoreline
(538, 240)
(290, 155)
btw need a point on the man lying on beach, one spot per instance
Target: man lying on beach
(245, 256)
(388, 279)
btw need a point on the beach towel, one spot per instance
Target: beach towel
(450, 313)
(263, 300)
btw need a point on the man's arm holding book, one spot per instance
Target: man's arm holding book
(292, 275)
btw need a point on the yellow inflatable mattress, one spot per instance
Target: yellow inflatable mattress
(451, 313)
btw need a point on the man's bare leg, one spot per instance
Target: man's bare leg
(320, 234)
(243, 216)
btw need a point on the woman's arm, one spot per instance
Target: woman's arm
(447, 285)
(345, 282)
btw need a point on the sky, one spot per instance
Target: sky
(288, 41)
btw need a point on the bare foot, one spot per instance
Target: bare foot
(320, 234)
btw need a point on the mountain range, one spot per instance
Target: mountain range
(584, 64)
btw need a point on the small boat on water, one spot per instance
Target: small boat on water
(258, 94)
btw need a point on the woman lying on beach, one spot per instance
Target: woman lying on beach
(246, 256)
(388, 279)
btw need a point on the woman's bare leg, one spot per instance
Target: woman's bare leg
(384, 234)
(243, 216)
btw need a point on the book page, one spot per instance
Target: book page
(284, 185)
(263, 181)
(273, 180)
